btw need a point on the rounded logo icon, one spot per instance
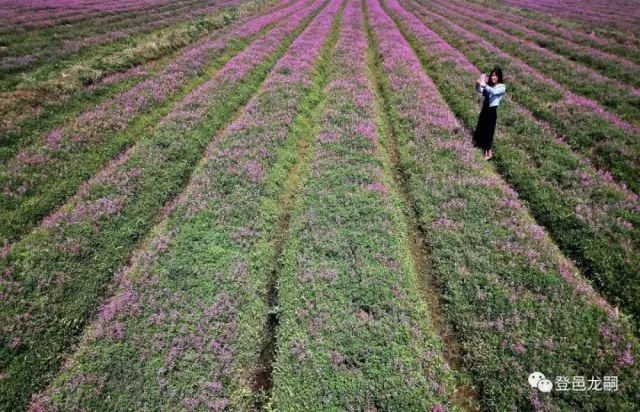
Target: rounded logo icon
(545, 385)
(534, 378)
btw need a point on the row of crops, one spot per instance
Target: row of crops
(276, 205)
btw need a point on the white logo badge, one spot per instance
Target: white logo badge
(538, 380)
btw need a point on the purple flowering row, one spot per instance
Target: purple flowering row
(60, 153)
(352, 333)
(516, 303)
(192, 293)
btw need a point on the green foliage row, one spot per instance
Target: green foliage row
(353, 333)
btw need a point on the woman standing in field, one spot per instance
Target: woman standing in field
(492, 88)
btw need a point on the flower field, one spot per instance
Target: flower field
(277, 205)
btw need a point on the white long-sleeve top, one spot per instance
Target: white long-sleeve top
(494, 94)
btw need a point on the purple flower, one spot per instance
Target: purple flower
(444, 223)
(15, 342)
(116, 332)
(254, 169)
(518, 348)
(218, 405)
(625, 358)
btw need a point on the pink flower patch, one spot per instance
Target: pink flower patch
(518, 348)
(367, 130)
(444, 223)
(511, 204)
(626, 357)
(626, 224)
(218, 405)
(254, 169)
(328, 137)
(156, 318)
(583, 288)
(606, 175)
(378, 187)
(39, 403)
(52, 139)
(565, 272)
(4, 250)
(162, 244)
(15, 342)
(32, 159)
(116, 332)
(191, 403)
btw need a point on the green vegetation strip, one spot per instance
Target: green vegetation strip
(26, 126)
(184, 329)
(353, 333)
(515, 303)
(53, 278)
(594, 222)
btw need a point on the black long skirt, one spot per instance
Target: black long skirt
(486, 127)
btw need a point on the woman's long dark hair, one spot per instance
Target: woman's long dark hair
(497, 70)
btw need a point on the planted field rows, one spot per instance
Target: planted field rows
(32, 56)
(609, 141)
(30, 93)
(277, 205)
(624, 13)
(44, 172)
